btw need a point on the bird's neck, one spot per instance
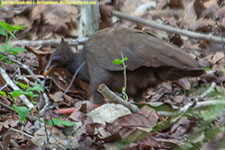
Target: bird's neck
(76, 61)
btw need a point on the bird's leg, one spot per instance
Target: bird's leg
(97, 98)
(138, 97)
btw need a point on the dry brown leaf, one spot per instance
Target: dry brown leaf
(176, 3)
(56, 97)
(132, 127)
(149, 141)
(216, 57)
(184, 83)
(57, 140)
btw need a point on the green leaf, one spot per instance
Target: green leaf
(16, 93)
(118, 61)
(125, 59)
(15, 50)
(57, 121)
(4, 48)
(11, 34)
(207, 69)
(19, 27)
(24, 86)
(9, 27)
(22, 112)
(2, 31)
(37, 87)
(3, 58)
(31, 94)
(6, 26)
(3, 93)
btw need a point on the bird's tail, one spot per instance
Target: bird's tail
(165, 73)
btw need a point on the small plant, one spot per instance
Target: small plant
(57, 121)
(8, 32)
(122, 62)
(23, 111)
(28, 90)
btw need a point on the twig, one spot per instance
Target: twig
(30, 136)
(168, 28)
(4, 86)
(48, 42)
(13, 8)
(107, 93)
(213, 85)
(185, 108)
(45, 108)
(15, 87)
(41, 102)
(71, 82)
(35, 78)
(23, 66)
(209, 103)
(7, 107)
(197, 105)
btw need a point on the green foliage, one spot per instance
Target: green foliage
(6, 29)
(28, 90)
(207, 69)
(122, 62)
(3, 93)
(57, 121)
(22, 112)
(8, 32)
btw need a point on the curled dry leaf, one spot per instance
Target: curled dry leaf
(108, 113)
(57, 140)
(133, 127)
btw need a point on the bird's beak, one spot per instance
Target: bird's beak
(49, 68)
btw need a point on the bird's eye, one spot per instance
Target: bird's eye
(55, 61)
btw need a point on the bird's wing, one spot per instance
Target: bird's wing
(140, 48)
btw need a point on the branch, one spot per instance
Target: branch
(48, 42)
(15, 87)
(107, 93)
(196, 106)
(168, 28)
(23, 66)
(185, 108)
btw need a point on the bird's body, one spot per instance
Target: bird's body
(150, 61)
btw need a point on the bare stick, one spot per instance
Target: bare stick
(23, 66)
(167, 28)
(187, 106)
(21, 132)
(15, 87)
(207, 103)
(48, 42)
(46, 106)
(7, 107)
(107, 93)
(74, 76)
(35, 78)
